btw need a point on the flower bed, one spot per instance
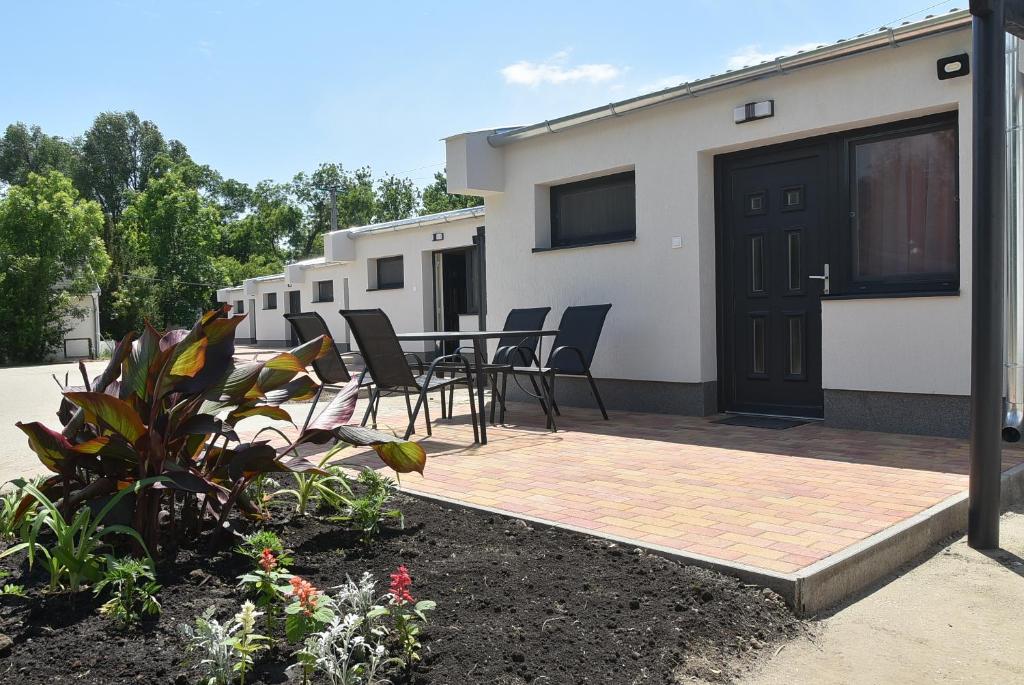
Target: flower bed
(513, 604)
(272, 568)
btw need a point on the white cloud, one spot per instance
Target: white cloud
(755, 54)
(555, 71)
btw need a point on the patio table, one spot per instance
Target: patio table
(479, 340)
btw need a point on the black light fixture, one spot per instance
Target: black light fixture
(438, 237)
(953, 67)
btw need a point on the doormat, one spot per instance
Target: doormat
(769, 422)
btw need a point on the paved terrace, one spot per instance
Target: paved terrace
(777, 502)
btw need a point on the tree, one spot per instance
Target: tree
(25, 150)
(436, 198)
(177, 230)
(356, 204)
(50, 252)
(397, 198)
(118, 155)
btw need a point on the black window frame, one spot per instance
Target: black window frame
(557, 192)
(394, 285)
(267, 298)
(239, 307)
(844, 280)
(318, 293)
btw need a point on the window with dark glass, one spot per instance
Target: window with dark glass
(324, 291)
(903, 210)
(390, 273)
(270, 301)
(239, 306)
(597, 210)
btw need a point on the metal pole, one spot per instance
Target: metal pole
(334, 208)
(988, 230)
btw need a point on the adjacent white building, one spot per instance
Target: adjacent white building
(791, 238)
(423, 271)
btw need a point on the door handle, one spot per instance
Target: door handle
(824, 278)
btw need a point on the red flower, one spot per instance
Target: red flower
(400, 584)
(267, 560)
(305, 593)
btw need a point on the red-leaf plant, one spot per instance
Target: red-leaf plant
(166, 405)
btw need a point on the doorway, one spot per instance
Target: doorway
(294, 307)
(772, 254)
(457, 291)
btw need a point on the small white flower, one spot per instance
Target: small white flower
(247, 617)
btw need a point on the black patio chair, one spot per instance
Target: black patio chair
(572, 353)
(511, 351)
(388, 366)
(330, 369)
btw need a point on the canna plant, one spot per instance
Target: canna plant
(167, 405)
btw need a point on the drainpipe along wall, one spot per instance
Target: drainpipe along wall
(1014, 322)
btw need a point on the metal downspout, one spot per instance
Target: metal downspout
(1014, 331)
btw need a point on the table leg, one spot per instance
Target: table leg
(481, 381)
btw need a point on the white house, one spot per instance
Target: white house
(790, 238)
(423, 271)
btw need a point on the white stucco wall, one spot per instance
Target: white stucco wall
(410, 307)
(662, 325)
(84, 326)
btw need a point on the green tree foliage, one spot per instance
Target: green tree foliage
(356, 204)
(50, 252)
(177, 229)
(25, 150)
(397, 198)
(436, 198)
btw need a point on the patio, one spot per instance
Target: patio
(779, 507)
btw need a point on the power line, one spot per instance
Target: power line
(171, 281)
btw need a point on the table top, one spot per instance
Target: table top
(471, 335)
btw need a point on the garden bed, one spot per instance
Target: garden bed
(514, 605)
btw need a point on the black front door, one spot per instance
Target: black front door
(772, 244)
(294, 307)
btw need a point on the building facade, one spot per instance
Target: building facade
(791, 238)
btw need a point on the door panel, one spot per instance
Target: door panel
(294, 307)
(772, 237)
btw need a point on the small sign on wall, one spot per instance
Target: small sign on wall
(438, 237)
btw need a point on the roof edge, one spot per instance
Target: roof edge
(884, 37)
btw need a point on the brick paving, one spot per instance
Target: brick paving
(772, 499)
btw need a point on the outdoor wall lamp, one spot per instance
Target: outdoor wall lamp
(952, 67)
(438, 237)
(752, 111)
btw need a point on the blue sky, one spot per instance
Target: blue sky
(263, 89)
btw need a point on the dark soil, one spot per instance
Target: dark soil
(514, 605)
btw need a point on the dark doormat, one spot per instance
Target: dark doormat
(769, 422)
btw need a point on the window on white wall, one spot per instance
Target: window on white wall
(270, 300)
(390, 273)
(904, 228)
(239, 306)
(323, 291)
(597, 210)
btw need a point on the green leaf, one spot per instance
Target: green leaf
(402, 457)
(136, 369)
(110, 412)
(259, 410)
(52, 448)
(307, 352)
(189, 354)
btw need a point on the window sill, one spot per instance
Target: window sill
(321, 301)
(890, 296)
(386, 287)
(612, 241)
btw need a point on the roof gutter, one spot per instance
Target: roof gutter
(884, 38)
(418, 221)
